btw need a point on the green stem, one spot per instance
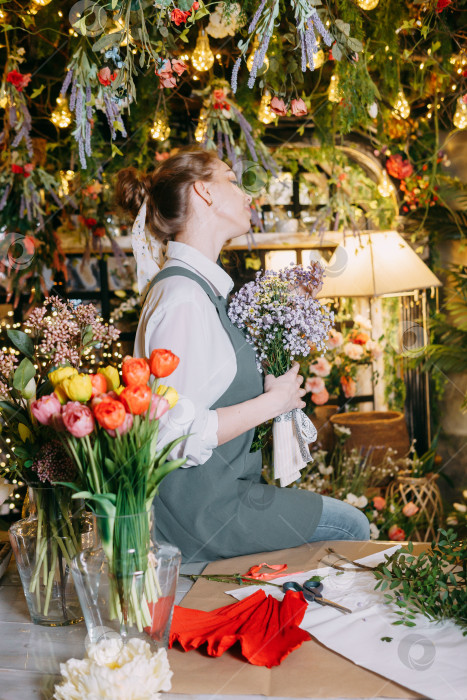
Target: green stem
(51, 579)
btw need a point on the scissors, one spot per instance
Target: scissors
(312, 593)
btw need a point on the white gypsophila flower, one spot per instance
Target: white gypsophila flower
(323, 469)
(374, 532)
(136, 673)
(357, 501)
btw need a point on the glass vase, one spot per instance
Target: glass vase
(44, 544)
(127, 582)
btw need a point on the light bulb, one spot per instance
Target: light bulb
(367, 4)
(42, 3)
(202, 126)
(333, 90)
(249, 63)
(265, 113)
(2, 16)
(385, 187)
(202, 57)
(61, 116)
(460, 117)
(160, 130)
(401, 107)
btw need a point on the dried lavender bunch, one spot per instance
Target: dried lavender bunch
(280, 317)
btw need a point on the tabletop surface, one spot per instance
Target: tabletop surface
(30, 655)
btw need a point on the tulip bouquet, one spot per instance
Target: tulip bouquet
(110, 430)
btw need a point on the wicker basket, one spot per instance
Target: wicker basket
(425, 493)
(372, 432)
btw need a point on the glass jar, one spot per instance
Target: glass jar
(127, 582)
(44, 544)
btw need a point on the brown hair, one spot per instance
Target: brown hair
(167, 189)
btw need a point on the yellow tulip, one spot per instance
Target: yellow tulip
(58, 375)
(24, 432)
(169, 393)
(61, 394)
(78, 388)
(112, 377)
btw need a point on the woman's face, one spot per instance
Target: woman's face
(230, 202)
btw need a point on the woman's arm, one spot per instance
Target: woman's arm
(281, 394)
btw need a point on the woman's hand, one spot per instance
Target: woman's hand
(284, 392)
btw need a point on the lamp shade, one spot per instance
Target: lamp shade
(375, 264)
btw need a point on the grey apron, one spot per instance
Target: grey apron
(223, 508)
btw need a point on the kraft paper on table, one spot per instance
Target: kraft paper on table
(311, 670)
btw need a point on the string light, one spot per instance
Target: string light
(385, 186)
(2, 16)
(264, 66)
(401, 107)
(202, 57)
(460, 117)
(61, 116)
(334, 94)
(367, 4)
(265, 113)
(202, 127)
(66, 176)
(41, 3)
(160, 130)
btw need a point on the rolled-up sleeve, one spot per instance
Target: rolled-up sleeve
(185, 328)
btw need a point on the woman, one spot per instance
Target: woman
(218, 506)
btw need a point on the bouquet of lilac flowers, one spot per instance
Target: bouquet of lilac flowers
(284, 322)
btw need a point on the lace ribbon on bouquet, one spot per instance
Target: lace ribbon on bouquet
(291, 433)
(148, 252)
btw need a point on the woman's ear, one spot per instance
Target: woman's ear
(202, 191)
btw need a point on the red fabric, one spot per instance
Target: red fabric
(160, 616)
(266, 628)
(253, 572)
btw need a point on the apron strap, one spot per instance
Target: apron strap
(177, 271)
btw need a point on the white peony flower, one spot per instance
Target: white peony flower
(353, 351)
(374, 348)
(363, 322)
(135, 674)
(374, 532)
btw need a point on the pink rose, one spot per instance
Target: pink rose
(374, 348)
(353, 351)
(78, 419)
(335, 339)
(298, 108)
(321, 398)
(321, 367)
(379, 502)
(348, 387)
(166, 76)
(125, 427)
(410, 509)
(396, 533)
(169, 82)
(106, 77)
(278, 106)
(219, 95)
(158, 407)
(44, 408)
(178, 66)
(315, 385)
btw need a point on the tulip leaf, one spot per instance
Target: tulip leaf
(23, 374)
(22, 341)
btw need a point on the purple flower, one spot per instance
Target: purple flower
(53, 463)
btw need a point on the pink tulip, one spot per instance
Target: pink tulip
(396, 533)
(44, 408)
(321, 398)
(158, 407)
(410, 509)
(321, 367)
(298, 108)
(125, 427)
(278, 106)
(315, 385)
(78, 419)
(379, 502)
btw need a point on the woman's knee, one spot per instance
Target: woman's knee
(359, 525)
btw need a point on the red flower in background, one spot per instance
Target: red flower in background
(16, 169)
(106, 77)
(442, 4)
(398, 167)
(179, 16)
(18, 80)
(90, 222)
(396, 533)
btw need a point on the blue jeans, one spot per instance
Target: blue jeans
(341, 521)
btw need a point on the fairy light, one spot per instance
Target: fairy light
(333, 90)
(385, 186)
(202, 127)
(460, 116)
(66, 176)
(401, 106)
(429, 114)
(264, 66)
(367, 4)
(3, 98)
(160, 129)
(61, 116)
(2, 16)
(265, 113)
(41, 3)
(202, 57)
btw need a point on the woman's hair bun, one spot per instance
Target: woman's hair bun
(131, 189)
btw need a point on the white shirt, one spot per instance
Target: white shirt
(179, 316)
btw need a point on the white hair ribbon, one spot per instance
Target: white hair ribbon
(148, 251)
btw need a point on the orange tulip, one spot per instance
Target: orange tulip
(99, 384)
(163, 362)
(110, 414)
(135, 370)
(136, 399)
